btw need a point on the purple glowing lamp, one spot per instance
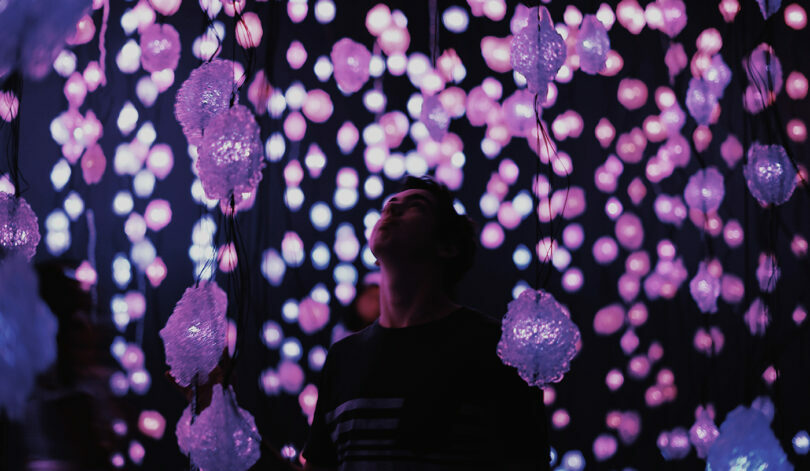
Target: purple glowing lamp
(538, 51)
(518, 113)
(231, 155)
(746, 437)
(223, 437)
(705, 190)
(27, 334)
(769, 7)
(19, 231)
(674, 16)
(195, 334)
(700, 100)
(593, 45)
(207, 92)
(160, 47)
(769, 173)
(705, 289)
(703, 432)
(717, 76)
(538, 338)
(764, 71)
(435, 117)
(350, 60)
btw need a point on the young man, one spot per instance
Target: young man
(423, 388)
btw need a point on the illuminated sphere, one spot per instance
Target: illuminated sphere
(32, 33)
(27, 334)
(224, 437)
(674, 13)
(231, 154)
(194, 335)
(700, 100)
(717, 76)
(674, 445)
(205, 93)
(705, 190)
(703, 433)
(538, 338)
(705, 289)
(160, 47)
(769, 7)
(769, 173)
(435, 117)
(746, 437)
(518, 113)
(538, 51)
(350, 60)
(593, 45)
(19, 231)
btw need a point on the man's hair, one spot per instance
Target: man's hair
(453, 228)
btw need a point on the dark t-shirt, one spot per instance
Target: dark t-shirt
(428, 397)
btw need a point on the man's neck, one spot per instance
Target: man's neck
(412, 295)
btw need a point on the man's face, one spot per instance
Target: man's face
(406, 227)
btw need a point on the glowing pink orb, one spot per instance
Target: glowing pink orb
(156, 272)
(604, 447)
(9, 106)
(729, 9)
(795, 16)
(702, 137)
(75, 90)
(674, 16)
(347, 137)
(638, 367)
(733, 233)
(152, 424)
(609, 319)
(249, 30)
(312, 315)
(732, 289)
(93, 164)
(605, 132)
(605, 250)
(296, 55)
(231, 154)
(160, 47)
(318, 106)
(166, 7)
(394, 40)
(675, 59)
(632, 93)
(307, 400)
(613, 64)
(85, 30)
(227, 257)
(731, 150)
(160, 160)
(630, 146)
(395, 126)
(158, 214)
(492, 235)
(796, 85)
(705, 289)
(631, 16)
(629, 231)
(295, 126)
(350, 60)
(629, 342)
(796, 130)
(614, 379)
(378, 19)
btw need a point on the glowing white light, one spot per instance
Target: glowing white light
(198, 194)
(295, 95)
(276, 104)
(489, 205)
(394, 167)
(291, 349)
(561, 258)
(57, 242)
(369, 260)
(123, 203)
(522, 256)
(373, 134)
(60, 174)
(320, 215)
(57, 221)
(65, 63)
(294, 198)
(144, 183)
(272, 334)
(374, 101)
(490, 148)
(522, 203)
(345, 198)
(455, 19)
(289, 311)
(203, 231)
(320, 255)
(128, 118)
(397, 64)
(129, 57)
(520, 287)
(376, 67)
(316, 358)
(142, 254)
(459, 207)
(325, 11)
(275, 147)
(147, 91)
(146, 134)
(74, 205)
(323, 68)
(345, 273)
(415, 164)
(273, 267)
(292, 249)
(122, 275)
(373, 187)
(605, 16)
(320, 294)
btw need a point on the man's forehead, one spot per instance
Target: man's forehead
(412, 193)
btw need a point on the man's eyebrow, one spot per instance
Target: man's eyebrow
(410, 197)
